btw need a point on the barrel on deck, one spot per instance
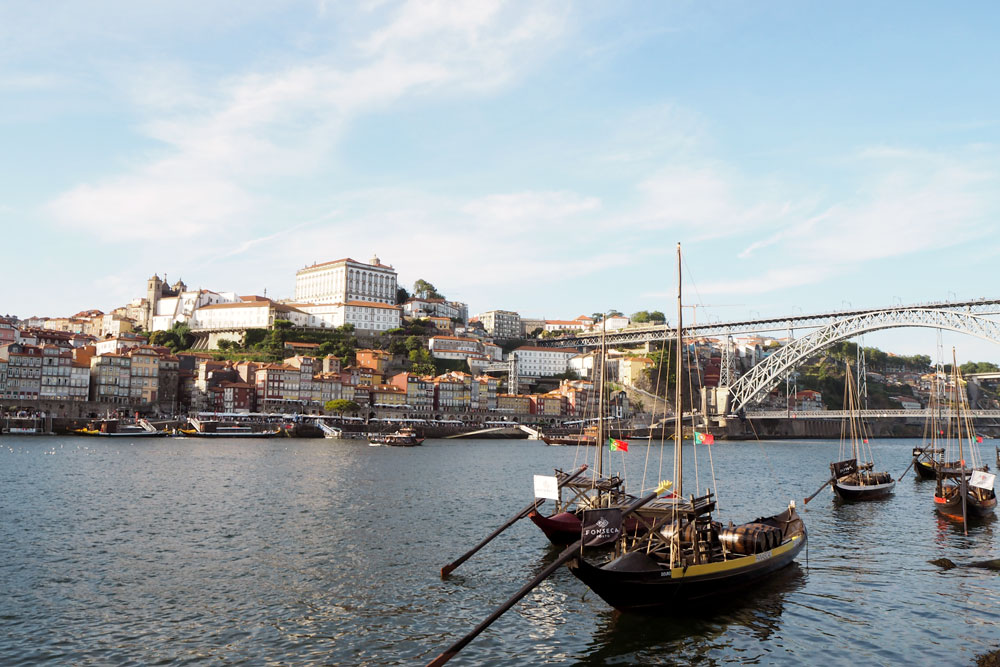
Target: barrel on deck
(750, 538)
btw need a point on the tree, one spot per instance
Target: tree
(225, 344)
(536, 332)
(341, 405)
(423, 286)
(657, 316)
(978, 367)
(402, 296)
(641, 317)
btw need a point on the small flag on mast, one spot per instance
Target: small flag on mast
(618, 445)
(703, 438)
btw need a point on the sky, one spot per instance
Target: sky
(543, 157)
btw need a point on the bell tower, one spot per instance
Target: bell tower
(154, 289)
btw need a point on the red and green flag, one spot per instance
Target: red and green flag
(703, 438)
(979, 438)
(618, 445)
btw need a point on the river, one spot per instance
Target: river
(290, 551)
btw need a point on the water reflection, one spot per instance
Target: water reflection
(692, 633)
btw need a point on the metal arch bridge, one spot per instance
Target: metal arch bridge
(866, 414)
(765, 374)
(640, 335)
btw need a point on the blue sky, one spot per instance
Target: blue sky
(544, 157)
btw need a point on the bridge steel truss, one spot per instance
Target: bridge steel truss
(663, 332)
(759, 379)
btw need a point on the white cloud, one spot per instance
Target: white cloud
(528, 209)
(223, 140)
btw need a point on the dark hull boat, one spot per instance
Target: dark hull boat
(561, 528)
(569, 440)
(979, 503)
(925, 469)
(564, 528)
(637, 581)
(863, 492)
(854, 483)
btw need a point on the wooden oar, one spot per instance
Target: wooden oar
(570, 552)
(447, 569)
(817, 491)
(900, 478)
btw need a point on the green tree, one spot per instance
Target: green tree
(978, 367)
(402, 296)
(341, 405)
(421, 356)
(657, 316)
(641, 317)
(423, 286)
(225, 344)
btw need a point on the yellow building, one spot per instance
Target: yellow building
(630, 369)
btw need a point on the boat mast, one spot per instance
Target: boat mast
(600, 400)
(678, 462)
(959, 404)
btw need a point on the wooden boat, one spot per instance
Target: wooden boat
(579, 494)
(926, 461)
(968, 489)
(929, 457)
(853, 480)
(684, 556)
(563, 526)
(404, 437)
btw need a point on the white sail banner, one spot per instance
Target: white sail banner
(982, 480)
(546, 487)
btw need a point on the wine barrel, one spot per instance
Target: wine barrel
(750, 538)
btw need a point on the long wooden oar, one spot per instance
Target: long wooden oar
(570, 552)
(817, 491)
(447, 569)
(900, 478)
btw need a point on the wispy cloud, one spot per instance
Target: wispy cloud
(223, 140)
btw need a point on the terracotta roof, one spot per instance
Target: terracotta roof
(372, 304)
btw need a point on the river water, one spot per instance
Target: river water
(285, 551)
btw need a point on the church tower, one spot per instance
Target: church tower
(154, 289)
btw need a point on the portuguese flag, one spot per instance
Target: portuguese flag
(618, 445)
(703, 438)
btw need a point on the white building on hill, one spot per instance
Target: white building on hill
(346, 280)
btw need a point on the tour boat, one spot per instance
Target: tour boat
(404, 437)
(684, 556)
(112, 428)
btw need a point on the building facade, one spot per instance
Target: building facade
(501, 323)
(345, 280)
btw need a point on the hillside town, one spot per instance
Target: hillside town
(126, 361)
